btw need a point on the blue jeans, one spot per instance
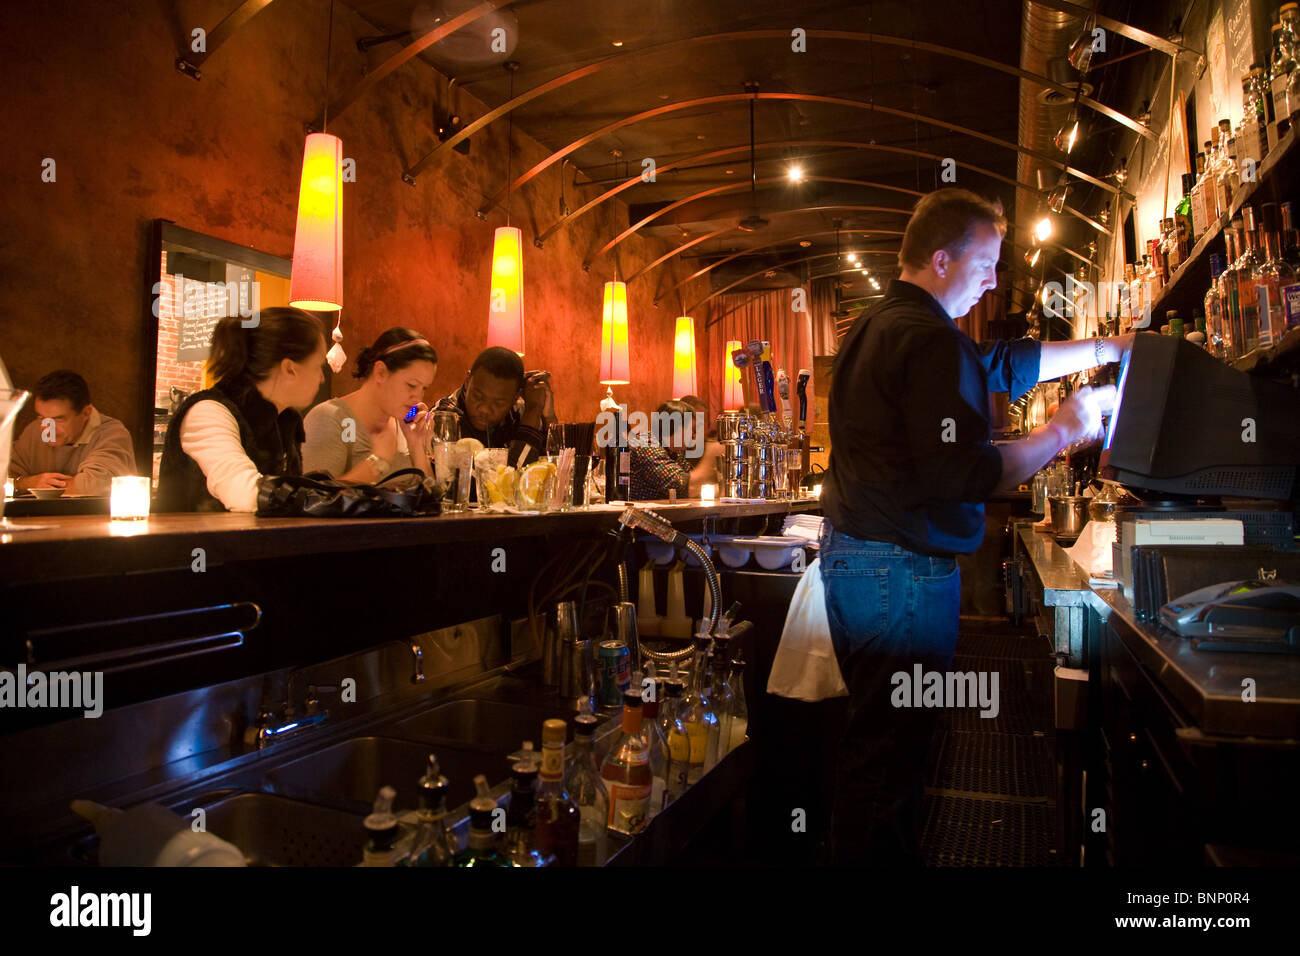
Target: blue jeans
(888, 609)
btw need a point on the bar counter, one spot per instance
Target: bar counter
(52, 547)
(1207, 685)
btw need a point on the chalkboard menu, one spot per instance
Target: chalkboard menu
(202, 304)
(1246, 25)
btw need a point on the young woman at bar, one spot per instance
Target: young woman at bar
(363, 435)
(249, 423)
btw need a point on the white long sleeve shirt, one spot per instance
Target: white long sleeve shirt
(210, 435)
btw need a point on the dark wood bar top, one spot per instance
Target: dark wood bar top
(49, 548)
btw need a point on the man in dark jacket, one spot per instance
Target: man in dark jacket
(503, 406)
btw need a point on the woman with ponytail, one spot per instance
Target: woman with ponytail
(364, 436)
(249, 424)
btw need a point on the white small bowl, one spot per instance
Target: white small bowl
(45, 494)
(732, 552)
(773, 553)
(660, 552)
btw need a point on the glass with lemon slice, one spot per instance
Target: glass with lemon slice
(535, 486)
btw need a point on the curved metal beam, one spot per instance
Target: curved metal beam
(413, 49)
(719, 99)
(736, 187)
(608, 194)
(884, 40)
(190, 63)
(724, 289)
(745, 252)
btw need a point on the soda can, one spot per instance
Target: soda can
(614, 672)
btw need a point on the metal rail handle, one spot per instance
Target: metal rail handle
(139, 656)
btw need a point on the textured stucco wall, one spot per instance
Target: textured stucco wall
(92, 86)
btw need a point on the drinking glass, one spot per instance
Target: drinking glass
(457, 467)
(446, 426)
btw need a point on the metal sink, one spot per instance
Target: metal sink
(487, 725)
(348, 775)
(271, 831)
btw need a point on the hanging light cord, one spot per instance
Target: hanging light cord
(753, 174)
(510, 138)
(329, 46)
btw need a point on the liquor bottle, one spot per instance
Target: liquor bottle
(1199, 220)
(1214, 325)
(1247, 264)
(1272, 276)
(1184, 231)
(679, 742)
(1126, 298)
(482, 849)
(739, 708)
(521, 818)
(583, 783)
(1173, 325)
(1253, 138)
(558, 817)
(1139, 299)
(383, 832)
(618, 461)
(431, 845)
(722, 697)
(626, 772)
(1283, 81)
(1290, 238)
(1233, 341)
(657, 742)
(1223, 176)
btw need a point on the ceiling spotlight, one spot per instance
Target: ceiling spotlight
(1068, 134)
(1043, 229)
(618, 42)
(853, 258)
(730, 172)
(863, 271)
(1103, 217)
(1144, 114)
(795, 173)
(1080, 55)
(1032, 257)
(1120, 175)
(1056, 198)
(805, 243)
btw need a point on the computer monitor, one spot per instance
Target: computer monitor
(1185, 423)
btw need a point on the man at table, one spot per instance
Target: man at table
(503, 406)
(71, 444)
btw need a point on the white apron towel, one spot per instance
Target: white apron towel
(805, 667)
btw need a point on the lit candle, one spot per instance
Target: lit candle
(129, 500)
(708, 492)
(9, 488)
(817, 491)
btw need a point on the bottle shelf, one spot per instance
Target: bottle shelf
(1186, 287)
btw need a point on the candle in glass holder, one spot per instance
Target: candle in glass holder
(129, 500)
(817, 491)
(9, 488)
(708, 492)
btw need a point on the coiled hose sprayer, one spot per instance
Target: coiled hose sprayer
(641, 518)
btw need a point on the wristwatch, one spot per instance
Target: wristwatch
(382, 467)
(1099, 349)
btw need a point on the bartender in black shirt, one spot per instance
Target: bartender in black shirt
(911, 466)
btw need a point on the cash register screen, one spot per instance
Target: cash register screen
(1119, 398)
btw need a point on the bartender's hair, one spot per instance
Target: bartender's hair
(66, 384)
(944, 219)
(396, 348)
(500, 362)
(281, 332)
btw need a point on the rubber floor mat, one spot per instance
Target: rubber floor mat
(968, 831)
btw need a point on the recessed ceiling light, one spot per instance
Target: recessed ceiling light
(795, 173)
(618, 43)
(699, 136)
(731, 172)
(663, 96)
(805, 243)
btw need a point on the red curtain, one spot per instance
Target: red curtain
(768, 316)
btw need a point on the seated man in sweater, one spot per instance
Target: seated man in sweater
(503, 406)
(70, 445)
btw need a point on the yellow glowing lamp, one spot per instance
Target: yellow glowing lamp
(733, 391)
(684, 357)
(614, 367)
(317, 279)
(506, 308)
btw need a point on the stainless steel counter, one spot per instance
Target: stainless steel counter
(1207, 685)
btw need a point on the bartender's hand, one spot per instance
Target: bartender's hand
(1118, 346)
(1079, 417)
(538, 399)
(46, 479)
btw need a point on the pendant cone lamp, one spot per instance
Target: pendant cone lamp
(316, 279)
(506, 300)
(733, 390)
(684, 357)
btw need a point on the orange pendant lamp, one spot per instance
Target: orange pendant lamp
(317, 277)
(733, 390)
(614, 366)
(684, 357)
(506, 312)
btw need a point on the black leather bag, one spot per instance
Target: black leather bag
(403, 494)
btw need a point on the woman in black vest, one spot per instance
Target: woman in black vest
(249, 424)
